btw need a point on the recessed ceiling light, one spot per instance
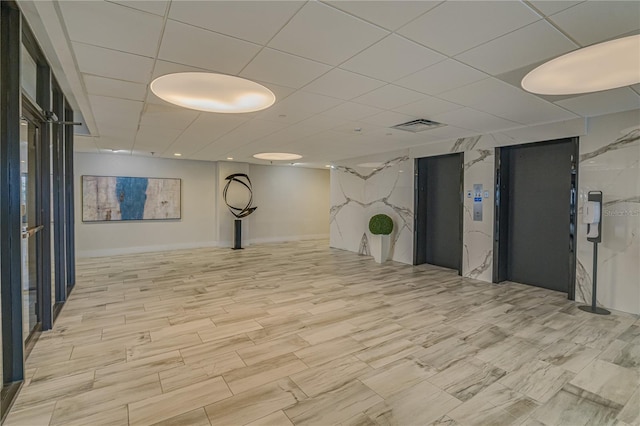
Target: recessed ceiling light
(212, 92)
(327, 165)
(370, 165)
(603, 66)
(229, 158)
(177, 154)
(277, 156)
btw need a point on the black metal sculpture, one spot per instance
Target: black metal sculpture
(239, 212)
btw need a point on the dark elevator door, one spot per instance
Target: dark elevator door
(439, 234)
(539, 214)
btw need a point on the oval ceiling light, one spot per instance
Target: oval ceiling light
(603, 66)
(277, 156)
(212, 92)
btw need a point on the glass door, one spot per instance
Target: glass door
(30, 226)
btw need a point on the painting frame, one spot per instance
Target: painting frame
(104, 199)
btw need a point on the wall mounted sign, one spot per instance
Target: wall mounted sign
(120, 198)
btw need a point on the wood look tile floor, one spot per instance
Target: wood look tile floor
(297, 333)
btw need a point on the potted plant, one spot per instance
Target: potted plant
(382, 225)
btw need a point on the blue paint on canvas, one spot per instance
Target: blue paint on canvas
(132, 195)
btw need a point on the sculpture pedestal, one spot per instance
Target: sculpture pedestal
(237, 234)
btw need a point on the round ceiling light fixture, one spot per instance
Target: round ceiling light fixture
(204, 91)
(603, 66)
(277, 156)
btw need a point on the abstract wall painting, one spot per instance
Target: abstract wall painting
(116, 198)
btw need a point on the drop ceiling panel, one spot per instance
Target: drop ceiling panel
(469, 118)
(392, 58)
(193, 46)
(166, 116)
(481, 92)
(120, 113)
(155, 139)
(443, 76)
(163, 68)
(427, 107)
(343, 84)
(533, 43)
(205, 129)
(607, 102)
(595, 21)
(115, 88)
(526, 109)
(112, 64)
(84, 144)
(255, 21)
(325, 34)
(281, 68)
(388, 118)
(455, 26)
(112, 26)
(298, 106)
(324, 122)
(550, 7)
(388, 14)
(389, 97)
(152, 6)
(352, 111)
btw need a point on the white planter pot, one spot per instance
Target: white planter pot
(381, 252)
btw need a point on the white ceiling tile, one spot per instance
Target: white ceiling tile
(550, 7)
(343, 84)
(352, 111)
(443, 76)
(389, 97)
(427, 107)
(112, 26)
(607, 102)
(243, 135)
(469, 118)
(479, 92)
(357, 128)
(456, 26)
(205, 129)
(115, 88)
(324, 34)
(298, 106)
(189, 45)
(388, 14)
(448, 132)
(283, 69)
(392, 58)
(595, 21)
(118, 113)
(533, 43)
(526, 109)
(112, 64)
(156, 7)
(163, 68)
(167, 116)
(388, 119)
(325, 122)
(255, 21)
(155, 139)
(289, 134)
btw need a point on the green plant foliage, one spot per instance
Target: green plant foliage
(381, 224)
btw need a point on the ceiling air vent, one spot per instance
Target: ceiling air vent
(419, 125)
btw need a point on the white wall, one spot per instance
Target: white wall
(197, 228)
(610, 153)
(293, 204)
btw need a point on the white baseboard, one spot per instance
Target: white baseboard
(144, 249)
(183, 246)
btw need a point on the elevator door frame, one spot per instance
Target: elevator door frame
(501, 213)
(420, 202)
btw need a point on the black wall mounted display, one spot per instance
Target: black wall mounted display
(239, 212)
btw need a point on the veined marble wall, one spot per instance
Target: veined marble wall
(609, 157)
(357, 194)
